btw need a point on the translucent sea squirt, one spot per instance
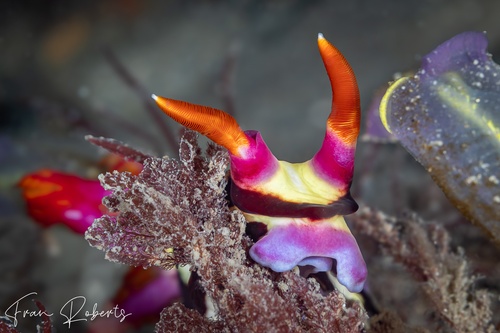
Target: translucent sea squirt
(448, 117)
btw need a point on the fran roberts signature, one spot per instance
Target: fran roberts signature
(73, 311)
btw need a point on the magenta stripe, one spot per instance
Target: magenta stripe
(257, 163)
(334, 162)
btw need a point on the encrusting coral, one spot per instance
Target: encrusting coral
(175, 212)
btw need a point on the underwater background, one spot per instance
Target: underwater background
(72, 68)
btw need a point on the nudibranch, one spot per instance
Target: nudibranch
(55, 197)
(301, 205)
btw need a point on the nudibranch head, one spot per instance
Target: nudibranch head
(301, 204)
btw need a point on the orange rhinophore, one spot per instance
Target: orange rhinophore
(345, 115)
(215, 124)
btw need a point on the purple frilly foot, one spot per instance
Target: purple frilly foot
(292, 242)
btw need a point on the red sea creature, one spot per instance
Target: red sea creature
(54, 197)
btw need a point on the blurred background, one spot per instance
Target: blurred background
(71, 68)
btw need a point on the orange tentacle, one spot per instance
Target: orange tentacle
(345, 115)
(215, 124)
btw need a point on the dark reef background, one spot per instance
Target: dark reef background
(57, 84)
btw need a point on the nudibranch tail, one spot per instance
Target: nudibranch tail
(215, 124)
(345, 115)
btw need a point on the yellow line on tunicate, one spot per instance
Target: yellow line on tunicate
(385, 101)
(458, 95)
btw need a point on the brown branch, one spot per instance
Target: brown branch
(131, 127)
(117, 147)
(46, 325)
(143, 94)
(226, 84)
